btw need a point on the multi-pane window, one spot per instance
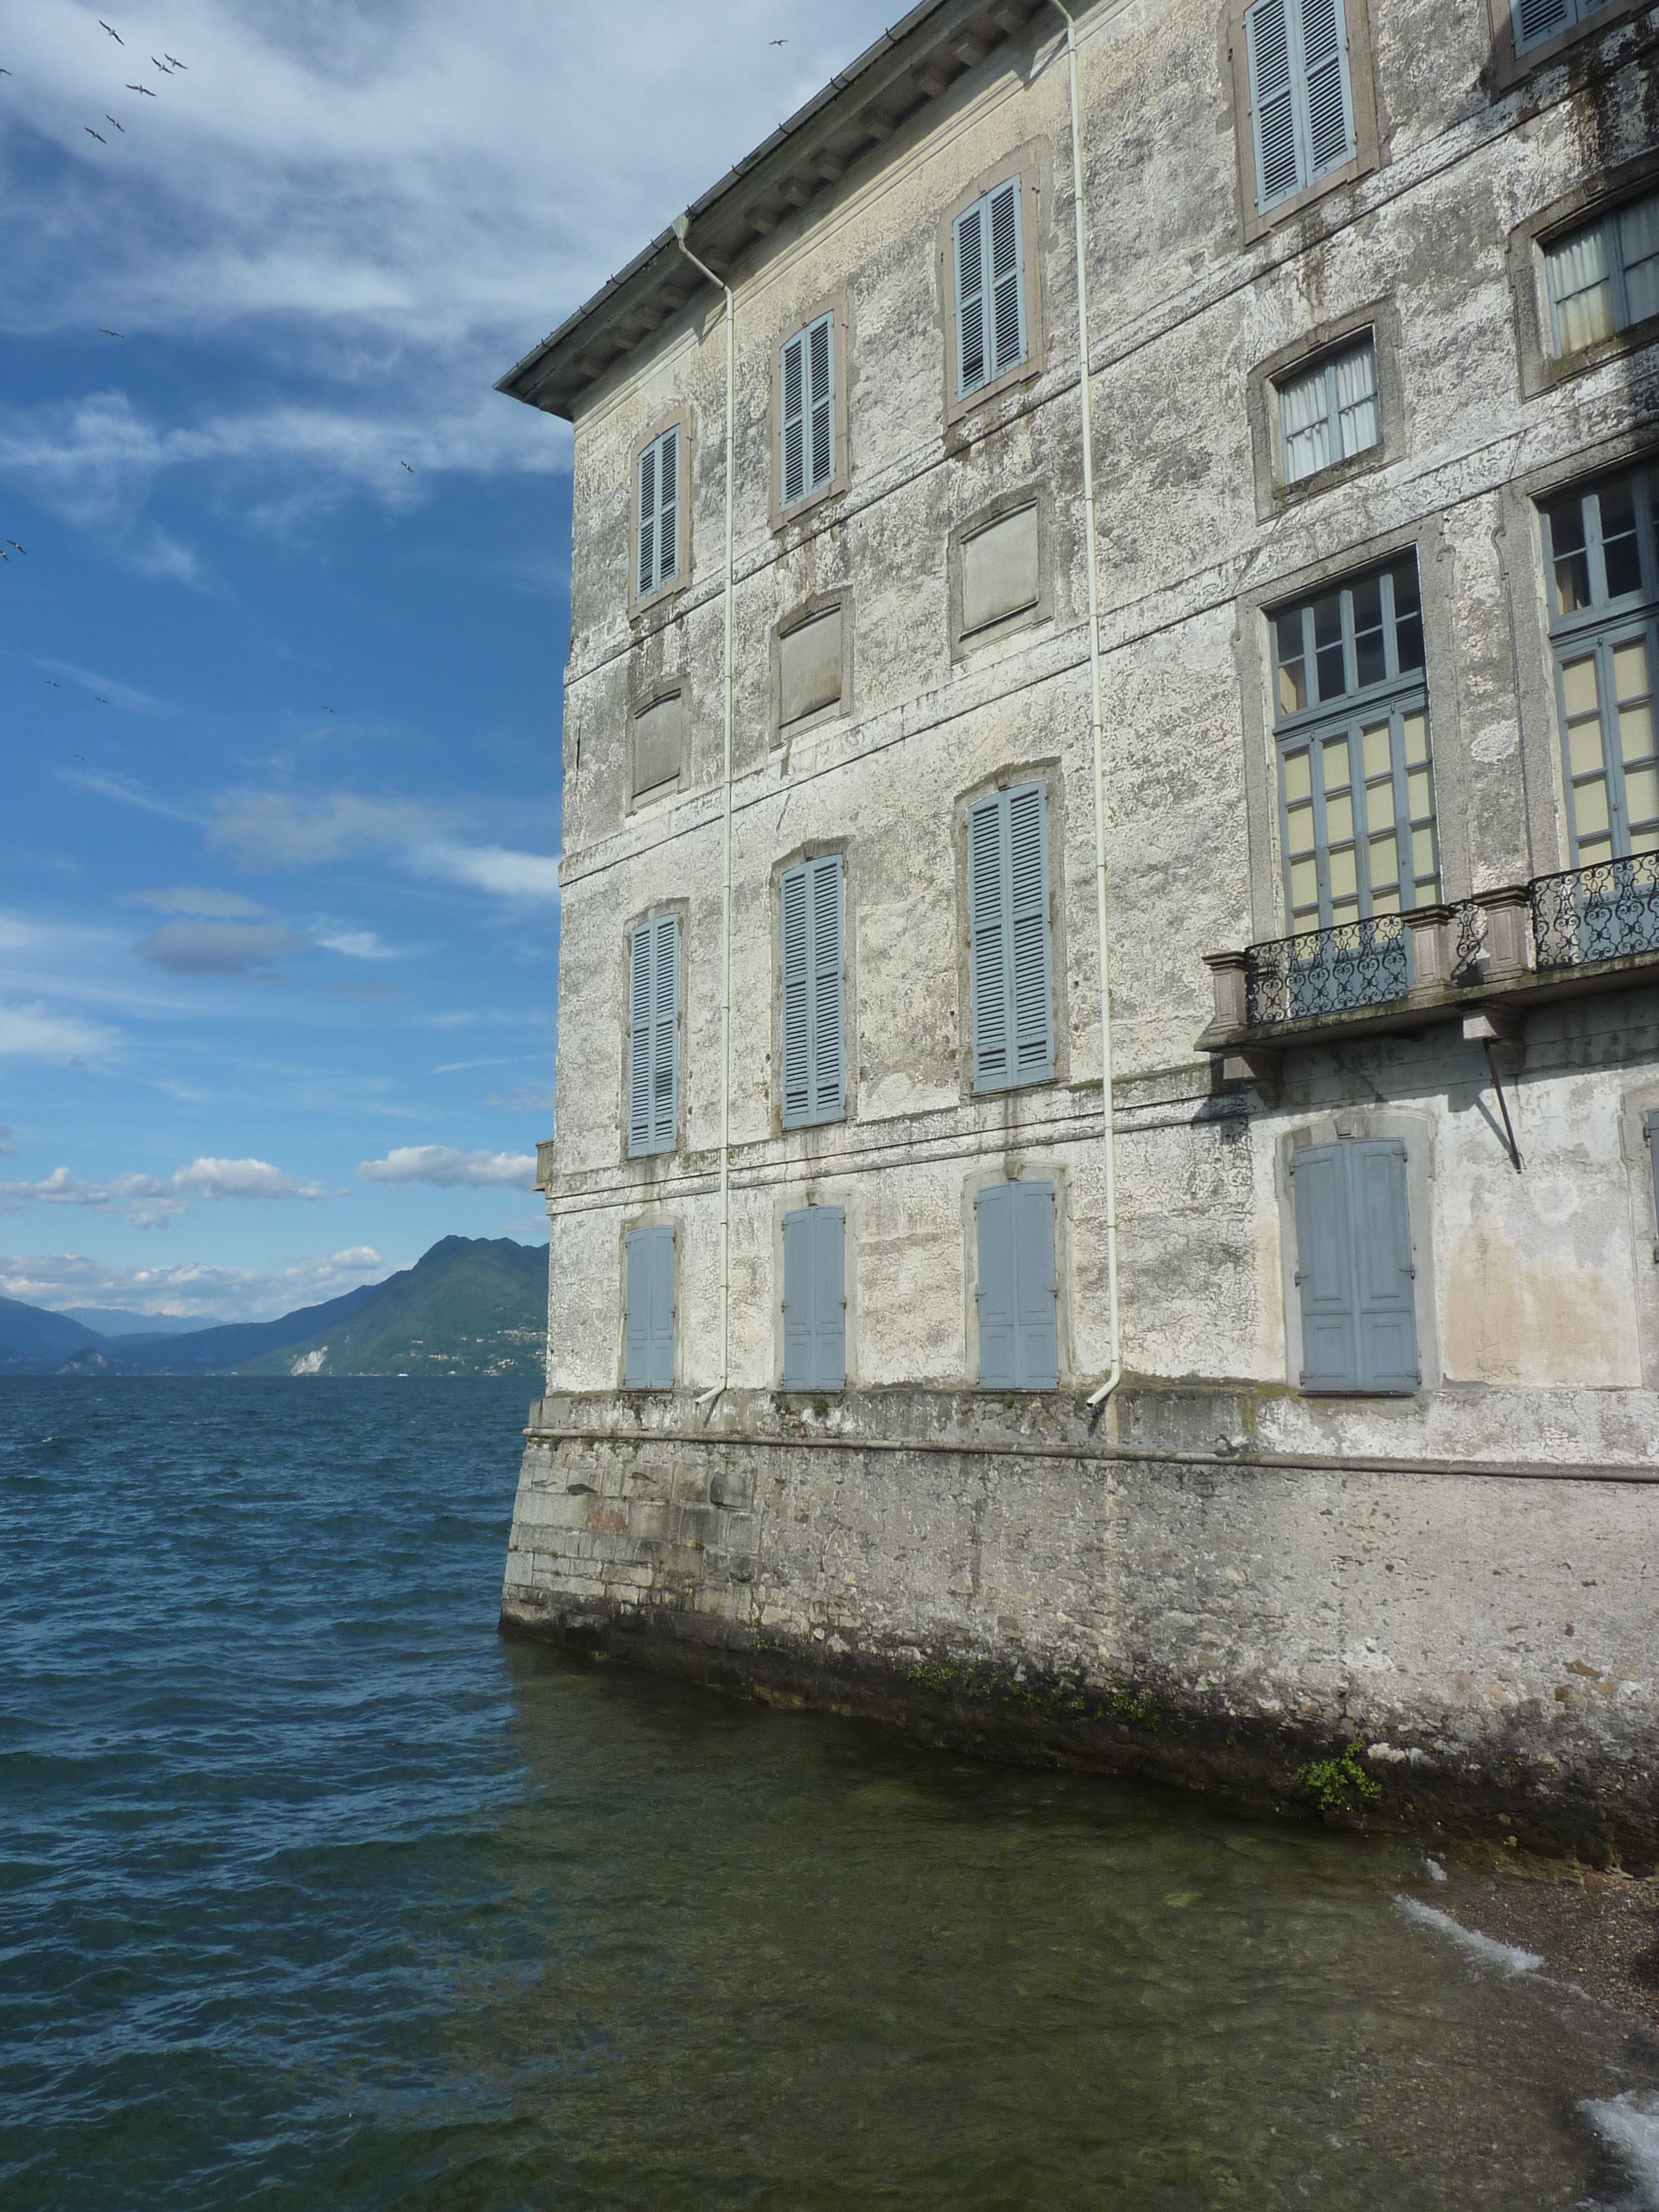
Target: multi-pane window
(814, 1053)
(1353, 1266)
(1537, 19)
(990, 273)
(1605, 276)
(1009, 956)
(1356, 786)
(648, 1318)
(1300, 99)
(653, 1035)
(1329, 413)
(1604, 568)
(1017, 1295)
(814, 1298)
(657, 500)
(807, 455)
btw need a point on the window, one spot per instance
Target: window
(1353, 1253)
(1301, 97)
(1001, 571)
(1329, 412)
(1355, 783)
(658, 744)
(657, 486)
(1018, 1339)
(810, 666)
(653, 1035)
(1603, 569)
(806, 459)
(814, 1299)
(649, 1333)
(1605, 276)
(990, 288)
(814, 1058)
(1534, 21)
(1009, 957)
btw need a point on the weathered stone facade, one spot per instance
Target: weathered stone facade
(1457, 1574)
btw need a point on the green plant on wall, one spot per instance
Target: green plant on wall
(1338, 1784)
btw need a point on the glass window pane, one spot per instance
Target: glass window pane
(1343, 874)
(1299, 829)
(1635, 731)
(1384, 864)
(1416, 732)
(1630, 670)
(1355, 375)
(1639, 249)
(1299, 776)
(1369, 665)
(1579, 686)
(1304, 887)
(1379, 753)
(1339, 818)
(1591, 807)
(1641, 796)
(1581, 290)
(1331, 674)
(1292, 675)
(1304, 425)
(1386, 900)
(1423, 865)
(1419, 796)
(1566, 520)
(1621, 552)
(1407, 616)
(1334, 764)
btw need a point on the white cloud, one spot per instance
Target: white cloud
(33, 1033)
(219, 948)
(447, 1167)
(267, 829)
(6, 1143)
(58, 1279)
(187, 898)
(359, 944)
(493, 868)
(525, 1101)
(151, 1201)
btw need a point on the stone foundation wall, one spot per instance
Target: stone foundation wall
(988, 1573)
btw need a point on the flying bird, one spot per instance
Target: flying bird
(5, 557)
(22, 549)
(162, 66)
(5, 72)
(177, 64)
(53, 682)
(101, 702)
(114, 34)
(144, 88)
(777, 42)
(328, 710)
(121, 127)
(405, 465)
(103, 333)
(98, 135)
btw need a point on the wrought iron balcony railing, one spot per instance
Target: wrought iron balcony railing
(1328, 971)
(1599, 913)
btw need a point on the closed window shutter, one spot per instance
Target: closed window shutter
(1325, 80)
(668, 506)
(1382, 1265)
(1007, 279)
(971, 360)
(814, 1055)
(639, 1040)
(653, 1035)
(1009, 953)
(814, 1298)
(793, 459)
(999, 1328)
(1354, 1267)
(1272, 105)
(820, 371)
(1324, 1260)
(648, 1336)
(1038, 1349)
(1537, 19)
(648, 565)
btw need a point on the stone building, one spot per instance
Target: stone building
(1313, 1395)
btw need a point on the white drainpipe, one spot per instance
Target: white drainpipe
(1108, 1135)
(682, 224)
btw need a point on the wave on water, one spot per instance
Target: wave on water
(1629, 2126)
(1509, 1958)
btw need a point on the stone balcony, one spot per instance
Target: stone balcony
(1483, 962)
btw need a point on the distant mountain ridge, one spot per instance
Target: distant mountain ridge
(471, 1305)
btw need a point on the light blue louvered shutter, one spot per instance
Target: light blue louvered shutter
(971, 370)
(659, 496)
(820, 396)
(1272, 102)
(813, 1024)
(1036, 1363)
(1010, 959)
(990, 273)
(1301, 94)
(648, 1341)
(814, 1298)
(1324, 1269)
(1537, 20)
(647, 577)
(640, 1002)
(1382, 1264)
(1007, 280)
(998, 1322)
(1325, 85)
(653, 1035)
(792, 464)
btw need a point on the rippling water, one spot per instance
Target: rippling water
(314, 1894)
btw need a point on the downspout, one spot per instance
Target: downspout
(1085, 388)
(682, 224)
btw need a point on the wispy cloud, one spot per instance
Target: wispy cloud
(531, 876)
(359, 944)
(151, 1201)
(525, 1101)
(188, 898)
(219, 948)
(35, 1033)
(6, 1143)
(64, 1279)
(448, 1168)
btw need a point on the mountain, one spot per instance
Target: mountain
(31, 1338)
(469, 1306)
(117, 1320)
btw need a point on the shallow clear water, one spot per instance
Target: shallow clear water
(313, 1892)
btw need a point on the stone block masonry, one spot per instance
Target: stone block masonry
(1179, 1600)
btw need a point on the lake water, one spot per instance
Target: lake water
(315, 1894)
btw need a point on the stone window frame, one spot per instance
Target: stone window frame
(665, 687)
(1049, 771)
(1253, 645)
(838, 306)
(834, 1189)
(1542, 369)
(1506, 68)
(1033, 164)
(652, 1215)
(678, 418)
(1042, 1165)
(1032, 494)
(1362, 89)
(812, 1138)
(652, 1167)
(1273, 497)
(1413, 1127)
(784, 734)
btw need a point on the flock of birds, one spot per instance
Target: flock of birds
(166, 66)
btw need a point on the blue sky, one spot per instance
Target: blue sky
(284, 608)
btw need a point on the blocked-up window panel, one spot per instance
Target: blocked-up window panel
(1301, 97)
(653, 1036)
(1017, 1289)
(648, 1329)
(809, 666)
(1536, 20)
(806, 460)
(1010, 956)
(1354, 1272)
(814, 1013)
(814, 1298)
(1604, 277)
(658, 744)
(657, 510)
(1000, 571)
(1329, 413)
(990, 274)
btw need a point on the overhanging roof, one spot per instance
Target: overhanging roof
(858, 110)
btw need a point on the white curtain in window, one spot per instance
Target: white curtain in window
(1356, 399)
(1581, 290)
(1639, 249)
(1304, 425)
